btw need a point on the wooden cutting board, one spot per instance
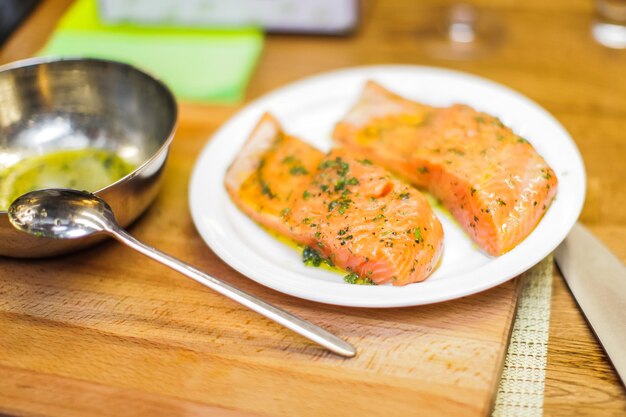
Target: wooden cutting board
(108, 332)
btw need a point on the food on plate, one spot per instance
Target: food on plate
(84, 169)
(339, 206)
(492, 180)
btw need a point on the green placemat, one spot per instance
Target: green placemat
(198, 64)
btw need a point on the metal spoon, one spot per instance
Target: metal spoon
(70, 214)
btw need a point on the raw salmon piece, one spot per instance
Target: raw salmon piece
(271, 169)
(366, 221)
(352, 212)
(493, 181)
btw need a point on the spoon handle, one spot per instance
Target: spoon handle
(290, 321)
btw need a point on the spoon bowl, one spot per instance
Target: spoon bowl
(61, 214)
(72, 214)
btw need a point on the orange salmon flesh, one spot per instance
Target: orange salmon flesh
(493, 181)
(355, 214)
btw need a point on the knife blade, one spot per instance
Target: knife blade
(597, 278)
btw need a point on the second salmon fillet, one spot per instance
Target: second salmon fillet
(493, 181)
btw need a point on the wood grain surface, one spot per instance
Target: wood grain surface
(109, 317)
(104, 332)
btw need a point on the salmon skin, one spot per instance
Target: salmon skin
(340, 205)
(492, 180)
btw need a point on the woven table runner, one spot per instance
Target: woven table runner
(520, 393)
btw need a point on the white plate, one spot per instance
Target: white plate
(309, 109)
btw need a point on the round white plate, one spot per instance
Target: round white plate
(309, 110)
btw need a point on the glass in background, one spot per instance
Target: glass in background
(460, 31)
(609, 27)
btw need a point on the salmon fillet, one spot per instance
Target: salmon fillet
(353, 213)
(493, 181)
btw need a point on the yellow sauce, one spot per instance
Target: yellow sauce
(87, 169)
(300, 249)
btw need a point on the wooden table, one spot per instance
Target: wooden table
(547, 54)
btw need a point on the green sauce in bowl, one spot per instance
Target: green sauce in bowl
(87, 169)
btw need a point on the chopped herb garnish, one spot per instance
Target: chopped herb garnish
(311, 257)
(327, 164)
(365, 161)
(405, 196)
(306, 195)
(342, 204)
(501, 202)
(342, 166)
(353, 278)
(417, 233)
(298, 170)
(265, 190)
(480, 119)
(423, 170)
(285, 212)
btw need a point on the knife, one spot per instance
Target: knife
(597, 278)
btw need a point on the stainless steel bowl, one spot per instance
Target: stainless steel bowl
(48, 105)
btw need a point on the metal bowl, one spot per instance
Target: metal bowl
(59, 104)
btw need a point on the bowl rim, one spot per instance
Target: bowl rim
(35, 61)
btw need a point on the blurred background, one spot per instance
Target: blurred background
(565, 54)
